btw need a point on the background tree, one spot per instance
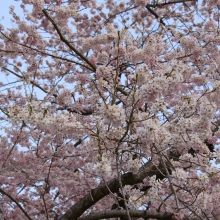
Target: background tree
(110, 109)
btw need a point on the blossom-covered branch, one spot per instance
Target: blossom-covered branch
(169, 3)
(110, 110)
(147, 170)
(62, 38)
(122, 213)
(14, 200)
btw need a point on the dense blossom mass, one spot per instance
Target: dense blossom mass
(110, 110)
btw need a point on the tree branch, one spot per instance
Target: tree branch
(149, 6)
(41, 52)
(155, 15)
(19, 206)
(122, 91)
(83, 112)
(122, 213)
(169, 3)
(62, 38)
(23, 78)
(148, 169)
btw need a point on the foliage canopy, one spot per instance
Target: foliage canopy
(110, 109)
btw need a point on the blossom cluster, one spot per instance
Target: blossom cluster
(105, 72)
(113, 113)
(103, 168)
(118, 97)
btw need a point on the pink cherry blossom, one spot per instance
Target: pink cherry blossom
(110, 110)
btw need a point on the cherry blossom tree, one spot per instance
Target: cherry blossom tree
(110, 110)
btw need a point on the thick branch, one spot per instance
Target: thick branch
(122, 90)
(85, 111)
(62, 38)
(122, 213)
(170, 3)
(148, 169)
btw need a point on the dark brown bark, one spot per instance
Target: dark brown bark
(122, 213)
(147, 170)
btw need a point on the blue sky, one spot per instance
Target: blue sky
(4, 11)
